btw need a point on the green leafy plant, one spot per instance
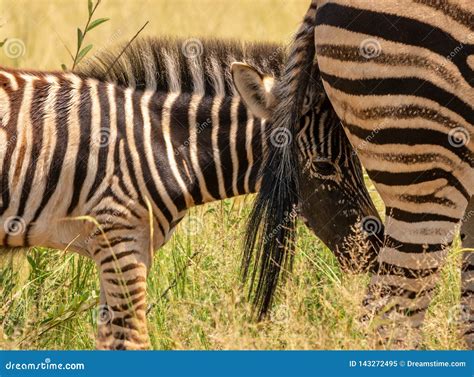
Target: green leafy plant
(82, 51)
(4, 40)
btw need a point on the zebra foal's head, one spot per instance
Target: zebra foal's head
(332, 195)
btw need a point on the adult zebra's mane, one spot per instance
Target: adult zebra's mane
(176, 64)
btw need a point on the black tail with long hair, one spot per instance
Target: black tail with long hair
(269, 244)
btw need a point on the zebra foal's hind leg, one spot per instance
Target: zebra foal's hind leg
(467, 276)
(123, 261)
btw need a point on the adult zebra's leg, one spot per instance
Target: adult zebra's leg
(104, 319)
(123, 262)
(467, 275)
(409, 264)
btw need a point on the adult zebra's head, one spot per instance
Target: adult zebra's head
(330, 189)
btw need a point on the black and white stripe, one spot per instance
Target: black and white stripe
(414, 88)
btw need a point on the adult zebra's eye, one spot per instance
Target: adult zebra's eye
(324, 167)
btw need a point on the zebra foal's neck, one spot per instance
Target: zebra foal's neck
(214, 146)
(217, 143)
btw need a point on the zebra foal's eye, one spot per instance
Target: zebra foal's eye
(307, 104)
(324, 167)
(307, 101)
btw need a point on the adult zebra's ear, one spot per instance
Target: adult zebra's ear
(254, 88)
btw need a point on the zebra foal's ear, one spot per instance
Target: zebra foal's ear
(254, 88)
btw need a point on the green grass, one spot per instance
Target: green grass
(48, 297)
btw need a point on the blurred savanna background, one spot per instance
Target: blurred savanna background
(48, 297)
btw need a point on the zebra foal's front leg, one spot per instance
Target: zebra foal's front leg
(123, 262)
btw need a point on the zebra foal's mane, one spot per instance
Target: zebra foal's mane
(200, 66)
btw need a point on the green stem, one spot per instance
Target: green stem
(79, 45)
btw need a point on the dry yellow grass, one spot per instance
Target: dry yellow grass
(45, 26)
(47, 299)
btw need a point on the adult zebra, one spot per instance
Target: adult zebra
(109, 171)
(400, 76)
